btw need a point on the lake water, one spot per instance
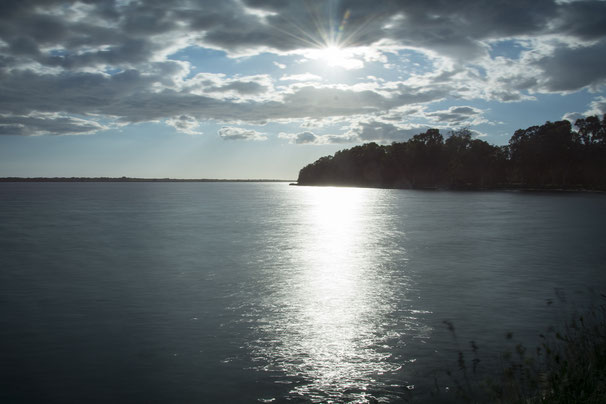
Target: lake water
(261, 292)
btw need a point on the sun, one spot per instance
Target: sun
(336, 56)
(333, 55)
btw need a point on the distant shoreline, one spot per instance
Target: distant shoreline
(128, 179)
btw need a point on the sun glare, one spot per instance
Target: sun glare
(326, 318)
(336, 56)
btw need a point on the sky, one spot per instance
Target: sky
(260, 88)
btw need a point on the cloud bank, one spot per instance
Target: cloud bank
(81, 67)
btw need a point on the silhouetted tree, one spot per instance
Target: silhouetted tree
(592, 135)
(550, 155)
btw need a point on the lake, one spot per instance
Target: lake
(261, 292)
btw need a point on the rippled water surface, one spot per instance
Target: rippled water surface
(250, 292)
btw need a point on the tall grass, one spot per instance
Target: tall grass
(567, 366)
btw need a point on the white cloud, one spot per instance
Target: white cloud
(301, 77)
(311, 138)
(597, 107)
(573, 116)
(236, 133)
(185, 124)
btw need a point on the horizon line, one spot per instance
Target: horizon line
(136, 179)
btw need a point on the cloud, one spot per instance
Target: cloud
(117, 59)
(457, 116)
(583, 19)
(311, 138)
(305, 137)
(235, 133)
(301, 77)
(382, 132)
(573, 116)
(185, 124)
(597, 107)
(299, 138)
(222, 86)
(358, 132)
(113, 33)
(241, 87)
(571, 69)
(131, 96)
(47, 124)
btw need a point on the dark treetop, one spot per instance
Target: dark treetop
(550, 156)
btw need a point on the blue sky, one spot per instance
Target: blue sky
(260, 88)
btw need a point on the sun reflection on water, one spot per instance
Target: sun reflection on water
(330, 315)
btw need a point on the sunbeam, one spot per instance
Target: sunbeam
(328, 37)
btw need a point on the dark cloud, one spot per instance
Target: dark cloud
(241, 87)
(27, 91)
(453, 27)
(305, 137)
(450, 27)
(47, 125)
(570, 69)
(454, 115)
(584, 19)
(148, 19)
(464, 110)
(273, 5)
(506, 96)
(20, 46)
(130, 52)
(129, 97)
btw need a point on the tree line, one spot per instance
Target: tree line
(551, 156)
